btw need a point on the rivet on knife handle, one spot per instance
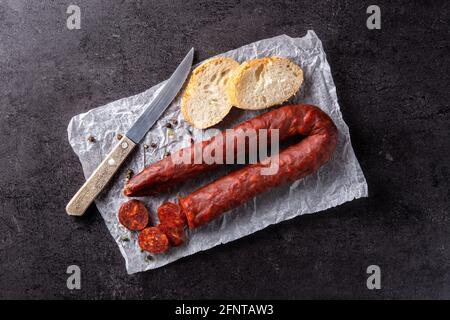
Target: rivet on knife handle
(100, 177)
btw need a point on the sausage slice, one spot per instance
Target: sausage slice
(170, 213)
(153, 240)
(133, 215)
(175, 233)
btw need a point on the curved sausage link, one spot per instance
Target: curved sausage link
(290, 120)
(295, 162)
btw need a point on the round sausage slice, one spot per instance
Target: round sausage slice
(153, 240)
(170, 213)
(175, 233)
(133, 215)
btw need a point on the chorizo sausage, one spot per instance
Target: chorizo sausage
(171, 214)
(295, 162)
(175, 233)
(133, 215)
(153, 240)
(168, 172)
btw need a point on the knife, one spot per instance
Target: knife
(106, 170)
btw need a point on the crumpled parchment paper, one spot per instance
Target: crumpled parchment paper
(338, 181)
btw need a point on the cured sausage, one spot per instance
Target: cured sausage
(133, 215)
(295, 162)
(175, 233)
(168, 172)
(172, 221)
(171, 214)
(153, 240)
(291, 120)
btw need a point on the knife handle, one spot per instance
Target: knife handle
(100, 177)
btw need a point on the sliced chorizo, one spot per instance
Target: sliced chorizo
(169, 213)
(175, 233)
(133, 215)
(153, 240)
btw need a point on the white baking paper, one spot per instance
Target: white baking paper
(338, 181)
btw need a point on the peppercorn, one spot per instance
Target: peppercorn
(129, 175)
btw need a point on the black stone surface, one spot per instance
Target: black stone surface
(392, 84)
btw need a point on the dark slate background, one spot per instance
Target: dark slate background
(393, 86)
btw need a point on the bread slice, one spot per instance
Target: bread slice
(262, 83)
(205, 101)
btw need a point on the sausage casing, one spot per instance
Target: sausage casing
(168, 172)
(295, 162)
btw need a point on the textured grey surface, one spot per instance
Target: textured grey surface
(393, 88)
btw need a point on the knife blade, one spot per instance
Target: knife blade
(162, 100)
(109, 166)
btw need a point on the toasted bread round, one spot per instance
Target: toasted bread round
(205, 101)
(261, 83)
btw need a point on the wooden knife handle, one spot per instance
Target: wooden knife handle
(100, 177)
